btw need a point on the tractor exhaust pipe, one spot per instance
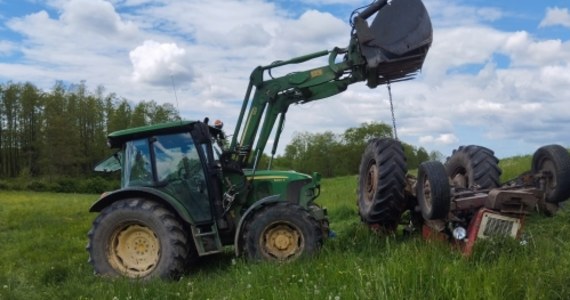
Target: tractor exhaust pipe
(396, 43)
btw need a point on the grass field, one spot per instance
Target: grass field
(42, 256)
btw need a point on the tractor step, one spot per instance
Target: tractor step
(206, 239)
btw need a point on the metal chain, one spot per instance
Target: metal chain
(392, 110)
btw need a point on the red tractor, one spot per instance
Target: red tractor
(462, 200)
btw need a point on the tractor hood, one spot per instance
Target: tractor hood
(293, 186)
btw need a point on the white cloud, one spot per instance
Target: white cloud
(83, 25)
(95, 17)
(454, 47)
(525, 51)
(157, 63)
(7, 48)
(452, 14)
(556, 17)
(355, 3)
(442, 139)
(133, 47)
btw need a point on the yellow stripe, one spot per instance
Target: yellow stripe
(267, 177)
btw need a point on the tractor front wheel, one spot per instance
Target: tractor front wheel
(433, 190)
(553, 161)
(138, 238)
(281, 232)
(381, 184)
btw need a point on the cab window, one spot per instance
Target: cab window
(137, 166)
(176, 157)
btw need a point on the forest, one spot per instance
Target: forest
(51, 140)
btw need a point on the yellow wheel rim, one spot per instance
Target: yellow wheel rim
(134, 250)
(282, 241)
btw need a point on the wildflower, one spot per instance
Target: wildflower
(233, 261)
(5, 286)
(249, 286)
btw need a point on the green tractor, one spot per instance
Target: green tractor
(186, 191)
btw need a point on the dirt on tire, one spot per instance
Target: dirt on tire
(381, 183)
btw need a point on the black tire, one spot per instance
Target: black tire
(381, 183)
(433, 190)
(474, 167)
(281, 232)
(555, 160)
(138, 238)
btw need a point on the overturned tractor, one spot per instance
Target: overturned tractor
(462, 200)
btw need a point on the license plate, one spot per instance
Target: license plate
(498, 225)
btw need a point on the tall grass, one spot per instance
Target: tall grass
(514, 166)
(42, 256)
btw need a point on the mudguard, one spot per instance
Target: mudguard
(107, 199)
(257, 205)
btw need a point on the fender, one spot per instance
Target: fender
(109, 198)
(257, 205)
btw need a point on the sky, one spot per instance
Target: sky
(497, 73)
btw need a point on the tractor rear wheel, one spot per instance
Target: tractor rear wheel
(138, 238)
(555, 160)
(473, 167)
(381, 184)
(281, 232)
(433, 190)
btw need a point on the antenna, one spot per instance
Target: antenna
(175, 95)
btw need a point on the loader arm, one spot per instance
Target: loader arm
(392, 48)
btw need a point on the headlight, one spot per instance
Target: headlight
(459, 233)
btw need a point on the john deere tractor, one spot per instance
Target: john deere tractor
(187, 191)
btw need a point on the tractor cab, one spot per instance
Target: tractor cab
(173, 163)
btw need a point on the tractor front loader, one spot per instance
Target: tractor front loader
(186, 193)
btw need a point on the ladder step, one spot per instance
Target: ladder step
(207, 240)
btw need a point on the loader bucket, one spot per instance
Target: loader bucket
(396, 43)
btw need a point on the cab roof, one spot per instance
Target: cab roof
(118, 138)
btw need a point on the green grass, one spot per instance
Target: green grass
(42, 256)
(514, 166)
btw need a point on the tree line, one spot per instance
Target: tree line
(335, 155)
(60, 135)
(62, 132)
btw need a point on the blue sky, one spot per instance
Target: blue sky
(496, 75)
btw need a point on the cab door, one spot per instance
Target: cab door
(180, 173)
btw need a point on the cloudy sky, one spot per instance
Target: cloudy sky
(497, 74)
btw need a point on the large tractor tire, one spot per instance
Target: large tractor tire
(281, 232)
(138, 238)
(433, 190)
(555, 160)
(381, 183)
(474, 167)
